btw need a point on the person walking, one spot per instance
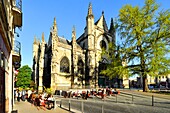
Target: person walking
(102, 95)
(87, 94)
(18, 95)
(23, 92)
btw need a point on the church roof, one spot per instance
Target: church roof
(80, 38)
(79, 47)
(63, 40)
(102, 21)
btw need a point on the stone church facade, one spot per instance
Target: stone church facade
(63, 64)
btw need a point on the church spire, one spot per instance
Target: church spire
(90, 20)
(112, 31)
(35, 40)
(43, 37)
(73, 34)
(90, 13)
(55, 26)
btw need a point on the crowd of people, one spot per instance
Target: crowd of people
(41, 101)
(21, 94)
(101, 92)
(46, 101)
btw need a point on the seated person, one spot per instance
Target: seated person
(50, 101)
(42, 103)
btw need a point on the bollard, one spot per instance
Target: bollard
(82, 107)
(132, 98)
(102, 108)
(60, 103)
(116, 98)
(69, 105)
(152, 100)
(55, 106)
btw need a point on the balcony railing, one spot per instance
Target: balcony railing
(17, 47)
(17, 54)
(17, 12)
(18, 4)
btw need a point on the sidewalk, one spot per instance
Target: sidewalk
(25, 107)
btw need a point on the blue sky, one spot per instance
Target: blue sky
(38, 16)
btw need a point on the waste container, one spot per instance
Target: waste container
(14, 111)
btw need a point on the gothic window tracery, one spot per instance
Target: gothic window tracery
(64, 65)
(103, 44)
(80, 65)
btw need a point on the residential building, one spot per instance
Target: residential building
(10, 19)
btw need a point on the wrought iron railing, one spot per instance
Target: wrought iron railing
(17, 47)
(18, 4)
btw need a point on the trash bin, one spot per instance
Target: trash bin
(14, 111)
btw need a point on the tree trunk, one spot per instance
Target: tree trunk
(145, 84)
(143, 70)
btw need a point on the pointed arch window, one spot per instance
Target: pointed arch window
(80, 65)
(103, 44)
(64, 65)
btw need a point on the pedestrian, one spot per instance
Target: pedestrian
(15, 95)
(32, 98)
(23, 92)
(37, 102)
(65, 94)
(123, 86)
(107, 90)
(102, 95)
(18, 95)
(26, 94)
(41, 103)
(50, 101)
(29, 95)
(87, 94)
(83, 94)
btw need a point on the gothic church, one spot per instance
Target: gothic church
(62, 64)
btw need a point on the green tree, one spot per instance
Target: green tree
(24, 77)
(145, 38)
(114, 67)
(32, 84)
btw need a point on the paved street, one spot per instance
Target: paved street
(145, 98)
(122, 104)
(136, 92)
(141, 103)
(105, 106)
(25, 107)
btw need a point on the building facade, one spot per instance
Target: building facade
(10, 18)
(63, 64)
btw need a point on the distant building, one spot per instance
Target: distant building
(163, 80)
(63, 64)
(156, 81)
